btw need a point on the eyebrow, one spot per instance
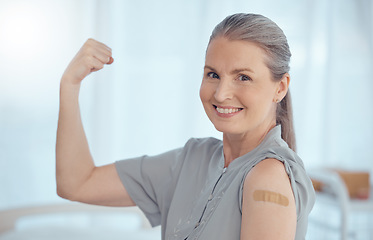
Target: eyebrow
(235, 71)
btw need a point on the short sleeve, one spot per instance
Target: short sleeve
(151, 181)
(301, 184)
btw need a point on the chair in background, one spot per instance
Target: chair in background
(334, 194)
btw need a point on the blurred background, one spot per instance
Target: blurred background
(147, 102)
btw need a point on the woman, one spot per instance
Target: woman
(251, 185)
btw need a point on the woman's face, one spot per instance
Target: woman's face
(237, 91)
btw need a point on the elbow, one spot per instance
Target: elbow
(65, 186)
(64, 192)
(61, 193)
(60, 189)
(71, 187)
(67, 195)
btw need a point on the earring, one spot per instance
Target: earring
(277, 100)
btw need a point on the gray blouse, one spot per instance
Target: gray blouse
(192, 196)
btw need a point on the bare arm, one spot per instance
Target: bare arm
(77, 177)
(268, 208)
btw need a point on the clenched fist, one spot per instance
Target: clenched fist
(92, 57)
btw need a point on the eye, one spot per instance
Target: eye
(212, 75)
(244, 78)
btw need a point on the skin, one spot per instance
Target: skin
(236, 77)
(78, 179)
(225, 84)
(267, 220)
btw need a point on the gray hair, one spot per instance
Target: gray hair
(262, 31)
(268, 36)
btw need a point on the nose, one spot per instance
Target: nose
(224, 91)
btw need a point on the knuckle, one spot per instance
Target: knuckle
(89, 45)
(90, 41)
(88, 50)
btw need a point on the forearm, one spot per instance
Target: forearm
(74, 163)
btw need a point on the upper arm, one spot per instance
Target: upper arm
(103, 187)
(268, 205)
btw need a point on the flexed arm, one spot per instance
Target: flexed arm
(78, 179)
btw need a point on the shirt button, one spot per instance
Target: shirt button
(210, 197)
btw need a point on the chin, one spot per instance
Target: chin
(227, 129)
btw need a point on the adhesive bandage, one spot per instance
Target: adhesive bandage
(268, 196)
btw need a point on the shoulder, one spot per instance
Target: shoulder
(270, 173)
(268, 197)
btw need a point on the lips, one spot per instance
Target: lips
(227, 110)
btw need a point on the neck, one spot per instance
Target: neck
(237, 145)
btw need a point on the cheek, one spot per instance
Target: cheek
(265, 105)
(256, 100)
(204, 92)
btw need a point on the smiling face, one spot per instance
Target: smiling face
(237, 91)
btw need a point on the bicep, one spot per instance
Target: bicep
(268, 205)
(104, 187)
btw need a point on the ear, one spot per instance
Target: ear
(282, 87)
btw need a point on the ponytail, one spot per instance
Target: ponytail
(284, 116)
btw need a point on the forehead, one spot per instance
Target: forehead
(225, 53)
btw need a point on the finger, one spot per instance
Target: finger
(96, 65)
(111, 60)
(104, 51)
(99, 51)
(104, 58)
(96, 49)
(99, 45)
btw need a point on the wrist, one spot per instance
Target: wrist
(67, 82)
(69, 89)
(69, 79)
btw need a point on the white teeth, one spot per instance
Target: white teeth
(227, 110)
